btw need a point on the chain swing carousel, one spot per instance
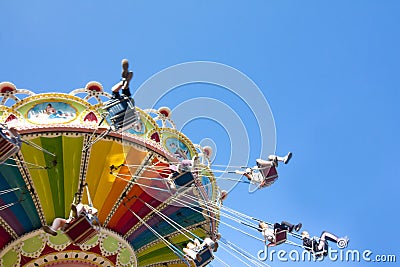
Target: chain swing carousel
(60, 149)
(89, 179)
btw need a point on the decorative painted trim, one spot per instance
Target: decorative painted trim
(31, 186)
(11, 94)
(55, 96)
(86, 112)
(53, 101)
(32, 131)
(59, 246)
(180, 136)
(7, 111)
(161, 117)
(85, 157)
(200, 225)
(91, 243)
(165, 263)
(34, 254)
(83, 255)
(92, 93)
(16, 244)
(90, 258)
(147, 117)
(8, 228)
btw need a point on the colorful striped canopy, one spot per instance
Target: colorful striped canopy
(144, 221)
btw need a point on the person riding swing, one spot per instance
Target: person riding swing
(267, 173)
(278, 234)
(124, 83)
(121, 108)
(319, 246)
(80, 226)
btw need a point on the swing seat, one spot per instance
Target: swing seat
(319, 253)
(10, 143)
(206, 257)
(80, 230)
(269, 174)
(121, 113)
(313, 249)
(280, 237)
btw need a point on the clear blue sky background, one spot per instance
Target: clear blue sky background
(328, 69)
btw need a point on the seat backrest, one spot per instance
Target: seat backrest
(206, 257)
(280, 236)
(269, 174)
(80, 230)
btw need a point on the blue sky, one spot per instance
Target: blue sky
(328, 69)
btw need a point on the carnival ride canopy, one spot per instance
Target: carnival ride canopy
(126, 173)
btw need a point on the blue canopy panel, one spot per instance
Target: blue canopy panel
(23, 217)
(185, 217)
